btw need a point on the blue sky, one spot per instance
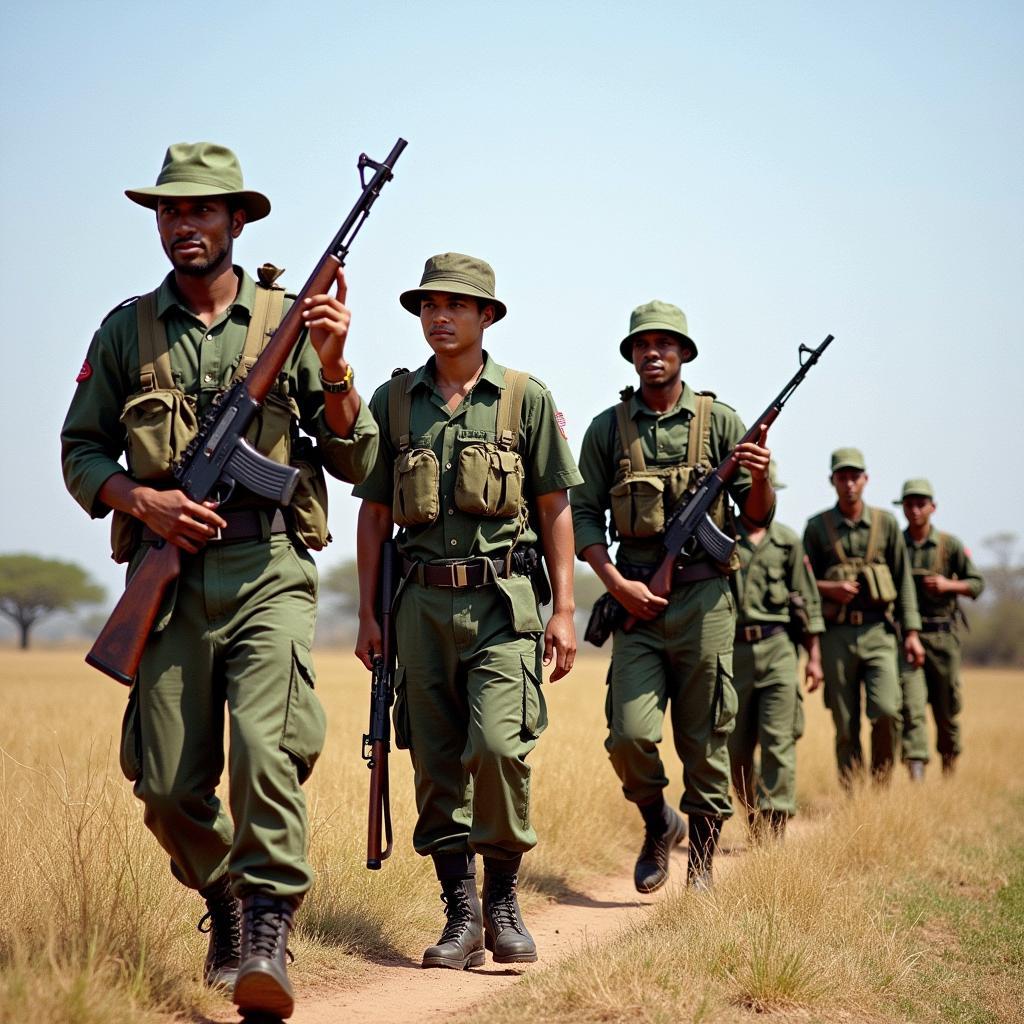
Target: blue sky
(781, 171)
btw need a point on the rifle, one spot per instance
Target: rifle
(219, 457)
(377, 742)
(690, 522)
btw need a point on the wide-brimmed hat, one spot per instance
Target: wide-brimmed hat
(456, 274)
(848, 458)
(657, 316)
(201, 169)
(916, 488)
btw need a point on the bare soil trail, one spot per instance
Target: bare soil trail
(398, 992)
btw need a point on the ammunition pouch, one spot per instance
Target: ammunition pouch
(489, 481)
(527, 561)
(159, 425)
(308, 506)
(606, 616)
(417, 487)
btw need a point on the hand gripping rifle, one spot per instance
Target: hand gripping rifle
(220, 457)
(377, 742)
(690, 523)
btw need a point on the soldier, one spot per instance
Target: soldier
(238, 627)
(637, 460)
(860, 561)
(943, 571)
(777, 606)
(474, 469)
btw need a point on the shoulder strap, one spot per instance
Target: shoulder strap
(939, 558)
(869, 555)
(268, 309)
(399, 410)
(629, 438)
(510, 408)
(154, 359)
(833, 537)
(700, 431)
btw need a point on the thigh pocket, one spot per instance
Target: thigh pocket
(131, 738)
(726, 703)
(305, 725)
(535, 710)
(403, 734)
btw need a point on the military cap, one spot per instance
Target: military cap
(773, 476)
(193, 170)
(847, 458)
(456, 274)
(916, 488)
(657, 316)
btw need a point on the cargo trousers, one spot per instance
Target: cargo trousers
(469, 708)
(682, 661)
(238, 641)
(850, 656)
(938, 684)
(765, 678)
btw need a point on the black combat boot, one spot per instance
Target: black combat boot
(223, 920)
(505, 935)
(462, 942)
(262, 986)
(704, 832)
(915, 768)
(663, 829)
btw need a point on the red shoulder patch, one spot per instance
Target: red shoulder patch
(84, 373)
(967, 552)
(560, 420)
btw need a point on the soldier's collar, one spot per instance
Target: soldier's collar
(492, 372)
(930, 539)
(864, 519)
(167, 297)
(687, 403)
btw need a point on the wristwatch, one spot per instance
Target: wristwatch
(338, 387)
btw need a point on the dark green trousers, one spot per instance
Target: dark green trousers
(914, 718)
(938, 684)
(681, 661)
(237, 643)
(765, 677)
(469, 707)
(852, 657)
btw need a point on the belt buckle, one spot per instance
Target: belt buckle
(460, 577)
(218, 536)
(856, 618)
(751, 634)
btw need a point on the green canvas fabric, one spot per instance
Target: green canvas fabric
(657, 316)
(952, 561)
(847, 458)
(456, 274)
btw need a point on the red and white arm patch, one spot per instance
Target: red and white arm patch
(560, 420)
(84, 373)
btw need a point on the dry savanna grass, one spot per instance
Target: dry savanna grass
(865, 914)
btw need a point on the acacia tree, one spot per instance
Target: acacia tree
(32, 587)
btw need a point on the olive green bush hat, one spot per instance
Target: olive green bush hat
(456, 274)
(916, 488)
(656, 316)
(201, 169)
(847, 458)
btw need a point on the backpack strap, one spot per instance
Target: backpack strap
(869, 555)
(700, 431)
(268, 310)
(399, 409)
(632, 460)
(154, 359)
(833, 537)
(939, 558)
(510, 408)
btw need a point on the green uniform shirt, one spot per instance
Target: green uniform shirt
(203, 360)
(547, 461)
(854, 538)
(768, 573)
(955, 563)
(665, 438)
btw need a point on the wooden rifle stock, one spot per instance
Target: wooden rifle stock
(118, 649)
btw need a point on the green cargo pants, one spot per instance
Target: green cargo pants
(683, 657)
(766, 685)
(851, 655)
(238, 639)
(914, 720)
(469, 707)
(942, 679)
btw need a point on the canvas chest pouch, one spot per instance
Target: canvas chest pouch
(159, 425)
(489, 480)
(417, 487)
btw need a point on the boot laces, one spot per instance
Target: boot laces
(655, 848)
(225, 923)
(457, 911)
(265, 927)
(501, 901)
